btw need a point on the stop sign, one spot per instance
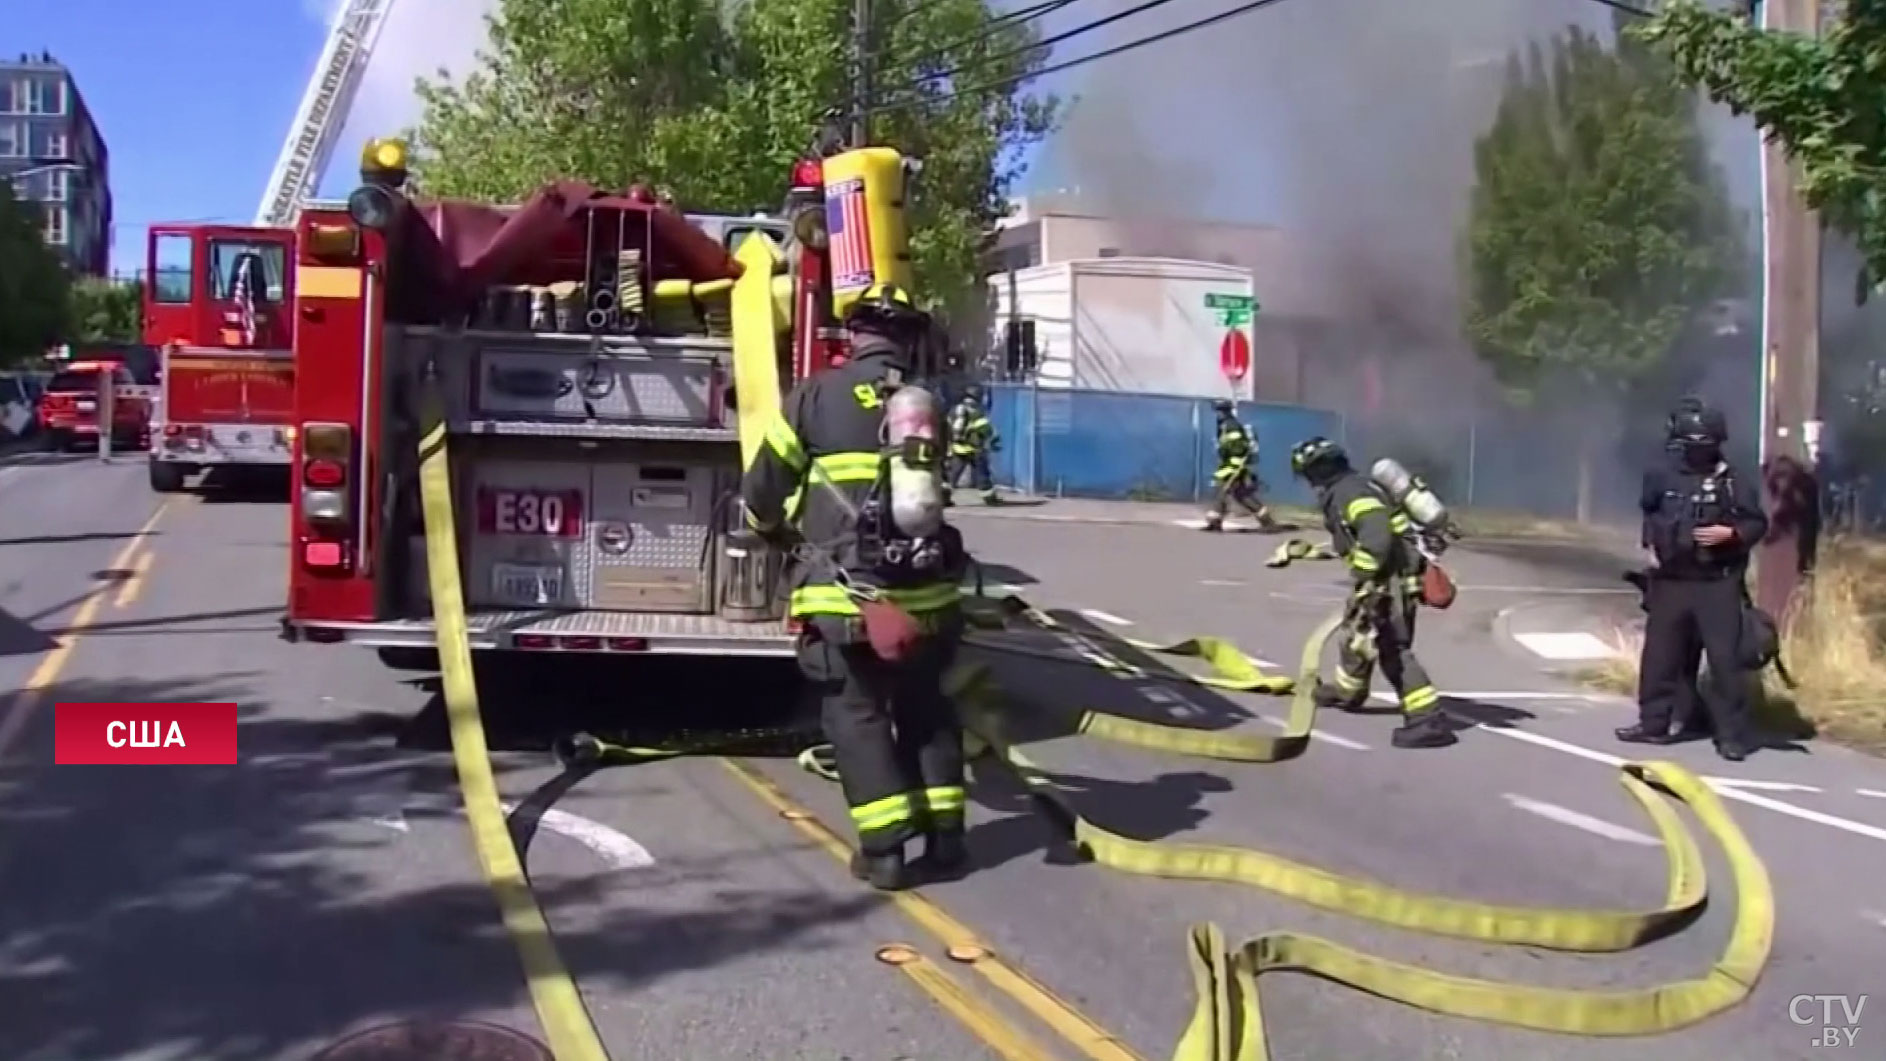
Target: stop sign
(1234, 355)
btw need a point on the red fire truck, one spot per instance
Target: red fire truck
(603, 361)
(219, 309)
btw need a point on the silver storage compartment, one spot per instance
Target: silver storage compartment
(528, 523)
(650, 538)
(672, 387)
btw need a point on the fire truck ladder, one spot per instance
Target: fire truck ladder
(323, 112)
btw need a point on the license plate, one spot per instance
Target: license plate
(542, 513)
(527, 583)
(86, 407)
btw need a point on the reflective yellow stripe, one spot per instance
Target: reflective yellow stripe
(785, 442)
(1360, 507)
(979, 423)
(882, 813)
(944, 799)
(833, 600)
(1362, 561)
(821, 600)
(1350, 683)
(1420, 698)
(754, 521)
(851, 467)
(1398, 523)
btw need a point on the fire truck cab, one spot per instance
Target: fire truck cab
(219, 311)
(602, 361)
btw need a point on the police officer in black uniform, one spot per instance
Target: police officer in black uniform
(1702, 518)
(1367, 532)
(820, 478)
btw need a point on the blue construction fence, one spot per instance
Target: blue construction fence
(1141, 447)
(1155, 447)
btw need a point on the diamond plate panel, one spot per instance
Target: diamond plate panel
(671, 388)
(650, 537)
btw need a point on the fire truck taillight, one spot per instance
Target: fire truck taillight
(326, 452)
(332, 243)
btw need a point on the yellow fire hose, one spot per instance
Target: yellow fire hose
(1227, 1023)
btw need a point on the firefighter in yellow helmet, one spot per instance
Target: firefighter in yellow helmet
(879, 601)
(1368, 533)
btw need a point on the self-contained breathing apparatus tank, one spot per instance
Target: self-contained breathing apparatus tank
(1410, 493)
(902, 522)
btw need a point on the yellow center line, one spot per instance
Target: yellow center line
(134, 583)
(1004, 1038)
(29, 695)
(1070, 1024)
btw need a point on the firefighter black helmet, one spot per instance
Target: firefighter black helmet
(1222, 407)
(1318, 459)
(1696, 423)
(885, 309)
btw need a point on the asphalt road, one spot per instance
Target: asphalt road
(326, 884)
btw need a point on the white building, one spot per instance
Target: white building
(1169, 349)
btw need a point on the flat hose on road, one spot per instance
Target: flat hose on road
(1227, 1023)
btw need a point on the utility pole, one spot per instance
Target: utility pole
(1790, 372)
(861, 73)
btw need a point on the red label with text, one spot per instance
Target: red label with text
(551, 513)
(144, 734)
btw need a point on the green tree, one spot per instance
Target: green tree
(714, 102)
(33, 283)
(1823, 99)
(104, 311)
(1598, 226)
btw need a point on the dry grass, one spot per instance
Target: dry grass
(1835, 648)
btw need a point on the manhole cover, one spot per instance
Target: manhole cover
(433, 1041)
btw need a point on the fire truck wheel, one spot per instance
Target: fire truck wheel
(410, 658)
(167, 478)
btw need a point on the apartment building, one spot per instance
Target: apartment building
(51, 151)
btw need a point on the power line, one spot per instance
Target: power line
(999, 23)
(1005, 82)
(1088, 27)
(1164, 35)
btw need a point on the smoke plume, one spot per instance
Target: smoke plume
(420, 38)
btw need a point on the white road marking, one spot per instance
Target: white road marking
(1105, 617)
(1566, 646)
(1319, 734)
(614, 847)
(1872, 832)
(1876, 794)
(1762, 786)
(1595, 826)
(1219, 582)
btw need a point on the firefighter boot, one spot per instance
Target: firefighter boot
(1213, 522)
(885, 872)
(945, 854)
(1426, 728)
(1327, 695)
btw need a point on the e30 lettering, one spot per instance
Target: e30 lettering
(529, 514)
(144, 735)
(1837, 1017)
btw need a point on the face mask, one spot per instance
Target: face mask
(1700, 456)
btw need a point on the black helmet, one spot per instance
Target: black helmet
(972, 392)
(885, 309)
(1223, 407)
(1694, 423)
(1318, 460)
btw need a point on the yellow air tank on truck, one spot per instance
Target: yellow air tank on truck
(600, 359)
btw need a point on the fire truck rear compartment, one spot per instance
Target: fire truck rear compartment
(593, 489)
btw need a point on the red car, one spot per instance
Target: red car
(69, 411)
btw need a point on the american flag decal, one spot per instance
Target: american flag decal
(850, 233)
